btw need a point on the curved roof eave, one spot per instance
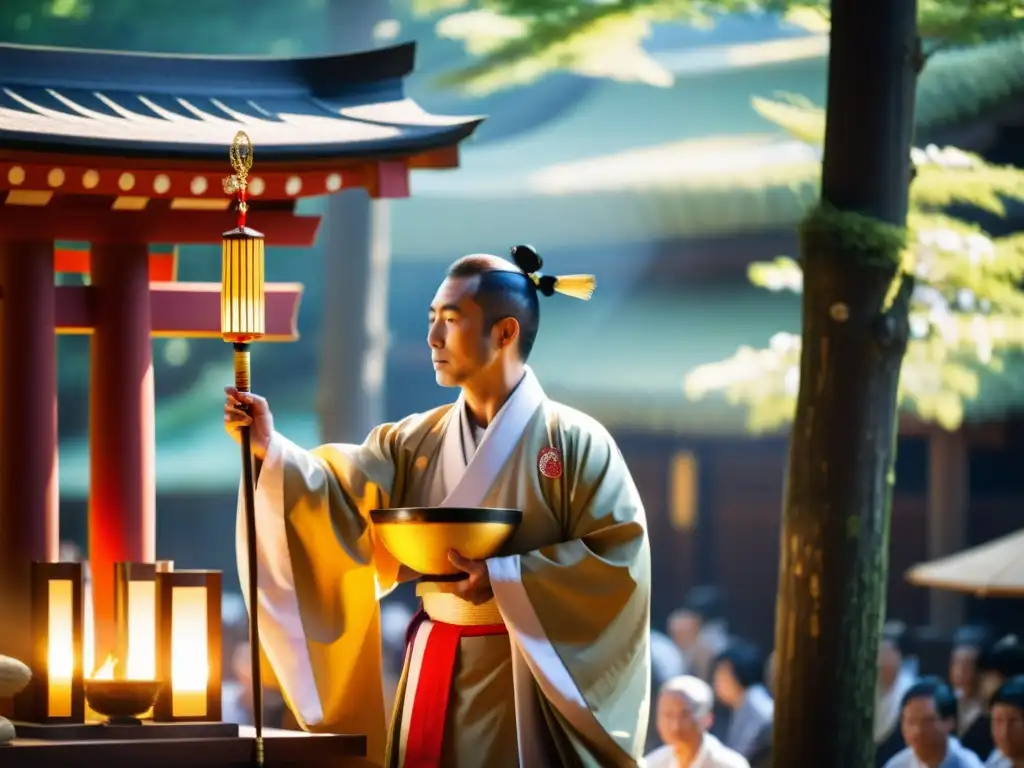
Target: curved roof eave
(320, 76)
(404, 141)
(187, 108)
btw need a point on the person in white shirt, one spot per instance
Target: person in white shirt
(895, 676)
(666, 663)
(684, 717)
(928, 720)
(1008, 725)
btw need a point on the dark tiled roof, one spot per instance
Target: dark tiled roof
(189, 107)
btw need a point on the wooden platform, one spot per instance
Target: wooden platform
(144, 729)
(282, 749)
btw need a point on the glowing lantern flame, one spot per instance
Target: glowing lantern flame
(106, 670)
(60, 654)
(141, 662)
(190, 669)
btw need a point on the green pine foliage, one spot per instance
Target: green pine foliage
(516, 42)
(967, 310)
(236, 27)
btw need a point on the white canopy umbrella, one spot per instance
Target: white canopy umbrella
(993, 569)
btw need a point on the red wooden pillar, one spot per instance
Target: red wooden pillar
(122, 441)
(29, 511)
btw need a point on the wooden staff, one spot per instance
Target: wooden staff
(242, 322)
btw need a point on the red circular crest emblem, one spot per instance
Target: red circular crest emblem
(549, 462)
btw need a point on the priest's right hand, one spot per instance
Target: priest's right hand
(246, 409)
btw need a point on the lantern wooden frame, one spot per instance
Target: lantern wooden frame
(33, 704)
(167, 583)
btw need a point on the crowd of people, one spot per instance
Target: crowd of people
(714, 702)
(715, 706)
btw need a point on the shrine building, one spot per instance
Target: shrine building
(127, 152)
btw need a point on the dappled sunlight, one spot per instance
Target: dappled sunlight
(803, 120)
(521, 41)
(609, 44)
(720, 58)
(765, 381)
(936, 382)
(481, 30)
(717, 161)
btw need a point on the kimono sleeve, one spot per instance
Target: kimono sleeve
(579, 611)
(321, 571)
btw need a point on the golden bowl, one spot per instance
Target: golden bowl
(421, 537)
(121, 699)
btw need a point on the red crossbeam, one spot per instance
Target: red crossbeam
(179, 227)
(184, 310)
(163, 267)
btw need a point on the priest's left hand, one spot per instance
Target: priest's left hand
(477, 588)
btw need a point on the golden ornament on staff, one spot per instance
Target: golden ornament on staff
(242, 320)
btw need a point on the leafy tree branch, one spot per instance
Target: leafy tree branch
(516, 42)
(967, 311)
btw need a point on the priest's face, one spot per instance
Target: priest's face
(461, 348)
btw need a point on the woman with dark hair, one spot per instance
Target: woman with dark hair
(969, 644)
(738, 679)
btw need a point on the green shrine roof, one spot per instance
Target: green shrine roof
(637, 164)
(635, 382)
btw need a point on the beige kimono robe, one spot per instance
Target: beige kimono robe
(568, 685)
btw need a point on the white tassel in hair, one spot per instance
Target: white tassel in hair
(576, 286)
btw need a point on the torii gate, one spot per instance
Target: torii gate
(125, 152)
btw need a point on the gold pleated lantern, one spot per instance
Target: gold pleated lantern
(242, 320)
(242, 295)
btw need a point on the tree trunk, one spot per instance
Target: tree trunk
(835, 539)
(350, 396)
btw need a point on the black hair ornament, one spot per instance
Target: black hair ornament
(529, 261)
